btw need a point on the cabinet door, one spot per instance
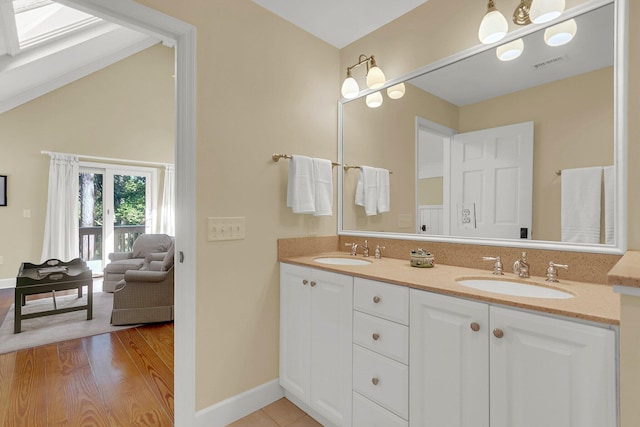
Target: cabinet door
(295, 324)
(331, 353)
(448, 362)
(551, 372)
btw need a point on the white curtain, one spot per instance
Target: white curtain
(167, 215)
(61, 225)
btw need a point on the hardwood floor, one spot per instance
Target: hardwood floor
(123, 378)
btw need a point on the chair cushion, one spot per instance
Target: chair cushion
(124, 265)
(148, 243)
(167, 262)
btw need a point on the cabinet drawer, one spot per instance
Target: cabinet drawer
(382, 299)
(382, 336)
(368, 414)
(382, 380)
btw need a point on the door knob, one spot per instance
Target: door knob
(423, 228)
(498, 333)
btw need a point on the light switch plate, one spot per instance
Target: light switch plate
(225, 228)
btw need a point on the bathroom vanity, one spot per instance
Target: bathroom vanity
(384, 345)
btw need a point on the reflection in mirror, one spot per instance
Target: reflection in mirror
(476, 147)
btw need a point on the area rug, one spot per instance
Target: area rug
(58, 327)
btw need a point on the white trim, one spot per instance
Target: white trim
(240, 405)
(7, 283)
(171, 30)
(626, 290)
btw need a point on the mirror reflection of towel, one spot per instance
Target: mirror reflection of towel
(580, 205)
(609, 196)
(383, 191)
(367, 190)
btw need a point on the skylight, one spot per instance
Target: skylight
(38, 21)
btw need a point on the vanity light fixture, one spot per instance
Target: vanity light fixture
(494, 25)
(545, 10)
(510, 51)
(396, 91)
(561, 33)
(374, 100)
(375, 77)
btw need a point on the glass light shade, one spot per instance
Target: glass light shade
(510, 51)
(545, 10)
(396, 91)
(375, 78)
(561, 33)
(374, 100)
(494, 27)
(350, 88)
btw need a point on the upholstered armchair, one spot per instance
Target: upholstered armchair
(146, 249)
(145, 296)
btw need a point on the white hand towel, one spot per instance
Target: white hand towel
(323, 180)
(301, 195)
(580, 205)
(383, 191)
(609, 196)
(367, 190)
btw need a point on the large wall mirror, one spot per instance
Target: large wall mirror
(478, 148)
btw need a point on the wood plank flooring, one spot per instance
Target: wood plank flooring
(123, 378)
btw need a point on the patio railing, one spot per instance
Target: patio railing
(91, 240)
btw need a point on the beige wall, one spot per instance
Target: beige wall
(124, 111)
(430, 191)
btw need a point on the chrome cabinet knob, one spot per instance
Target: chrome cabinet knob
(475, 326)
(376, 299)
(375, 381)
(376, 337)
(498, 333)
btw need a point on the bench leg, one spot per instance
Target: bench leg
(19, 300)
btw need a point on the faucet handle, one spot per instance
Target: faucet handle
(354, 247)
(378, 253)
(497, 265)
(552, 271)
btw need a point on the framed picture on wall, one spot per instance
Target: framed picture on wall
(3, 190)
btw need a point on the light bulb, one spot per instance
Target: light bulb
(375, 78)
(374, 100)
(350, 88)
(396, 91)
(561, 33)
(545, 10)
(494, 25)
(510, 51)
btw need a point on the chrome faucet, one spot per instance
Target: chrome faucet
(365, 249)
(354, 248)
(552, 271)
(497, 265)
(521, 266)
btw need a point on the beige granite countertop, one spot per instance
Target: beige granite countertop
(593, 302)
(626, 272)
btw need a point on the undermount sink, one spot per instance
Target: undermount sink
(342, 261)
(518, 289)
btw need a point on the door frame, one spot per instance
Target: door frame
(182, 37)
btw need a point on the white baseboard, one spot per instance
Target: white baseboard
(238, 406)
(7, 283)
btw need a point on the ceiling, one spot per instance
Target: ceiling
(339, 22)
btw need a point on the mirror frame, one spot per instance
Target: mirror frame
(620, 117)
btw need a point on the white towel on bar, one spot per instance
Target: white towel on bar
(323, 180)
(609, 196)
(367, 190)
(301, 194)
(580, 205)
(383, 191)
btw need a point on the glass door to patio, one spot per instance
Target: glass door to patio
(115, 207)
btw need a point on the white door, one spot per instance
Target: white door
(430, 220)
(448, 362)
(492, 182)
(331, 344)
(550, 372)
(295, 324)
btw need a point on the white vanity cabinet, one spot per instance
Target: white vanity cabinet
(380, 354)
(316, 341)
(476, 365)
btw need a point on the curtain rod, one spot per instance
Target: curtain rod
(109, 159)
